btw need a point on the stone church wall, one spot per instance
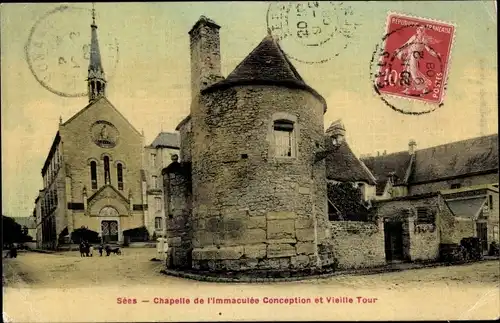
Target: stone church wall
(79, 149)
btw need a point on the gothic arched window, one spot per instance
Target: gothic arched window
(119, 175)
(107, 175)
(93, 174)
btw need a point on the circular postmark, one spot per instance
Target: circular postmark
(408, 68)
(312, 32)
(58, 50)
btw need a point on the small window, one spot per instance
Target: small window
(424, 216)
(119, 175)
(158, 223)
(283, 138)
(455, 186)
(93, 174)
(107, 175)
(158, 203)
(154, 182)
(153, 160)
(490, 201)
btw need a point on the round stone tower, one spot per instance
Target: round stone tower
(259, 196)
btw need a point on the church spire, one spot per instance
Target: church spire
(96, 80)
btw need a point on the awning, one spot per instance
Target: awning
(469, 208)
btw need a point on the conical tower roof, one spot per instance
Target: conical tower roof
(267, 64)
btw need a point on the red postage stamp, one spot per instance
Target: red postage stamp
(415, 57)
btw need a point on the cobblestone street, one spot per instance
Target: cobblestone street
(66, 287)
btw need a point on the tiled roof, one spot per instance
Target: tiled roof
(167, 140)
(343, 166)
(456, 158)
(435, 163)
(383, 166)
(28, 221)
(266, 64)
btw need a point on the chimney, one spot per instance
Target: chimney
(378, 153)
(205, 55)
(385, 152)
(412, 145)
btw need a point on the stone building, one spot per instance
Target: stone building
(156, 157)
(465, 173)
(92, 174)
(248, 192)
(260, 185)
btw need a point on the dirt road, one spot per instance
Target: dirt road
(67, 288)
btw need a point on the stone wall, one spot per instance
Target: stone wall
(420, 241)
(424, 241)
(246, 197)
(452, 229)
(358, 244)
(177, 187)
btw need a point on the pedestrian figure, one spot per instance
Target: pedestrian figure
(91, 250)
(100, 249)
(82, 248)
(12, 253)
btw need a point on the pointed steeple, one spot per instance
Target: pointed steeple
(96, 78)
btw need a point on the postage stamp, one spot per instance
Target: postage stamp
(58, 51)
(323, 28)
(414, 58)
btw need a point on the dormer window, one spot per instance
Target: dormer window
(284, 138)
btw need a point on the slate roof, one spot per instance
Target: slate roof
(343, 166)
(431, 164)
(456, 158)
(266, 61)
(383, 166)
(266, 64)
(28, 221)
(166, 140)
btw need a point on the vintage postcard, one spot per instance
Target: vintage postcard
(250, 161)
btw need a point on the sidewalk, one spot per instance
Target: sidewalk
(236, 277)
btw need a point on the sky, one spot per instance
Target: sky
(145, 49)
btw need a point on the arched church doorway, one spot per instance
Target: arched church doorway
(109, 227)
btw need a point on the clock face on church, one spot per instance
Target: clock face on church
(58, 50)
(104, 134)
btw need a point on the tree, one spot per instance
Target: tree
(84, 233)
(348, 200)
(12, 231)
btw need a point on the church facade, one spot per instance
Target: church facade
(93, 175)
